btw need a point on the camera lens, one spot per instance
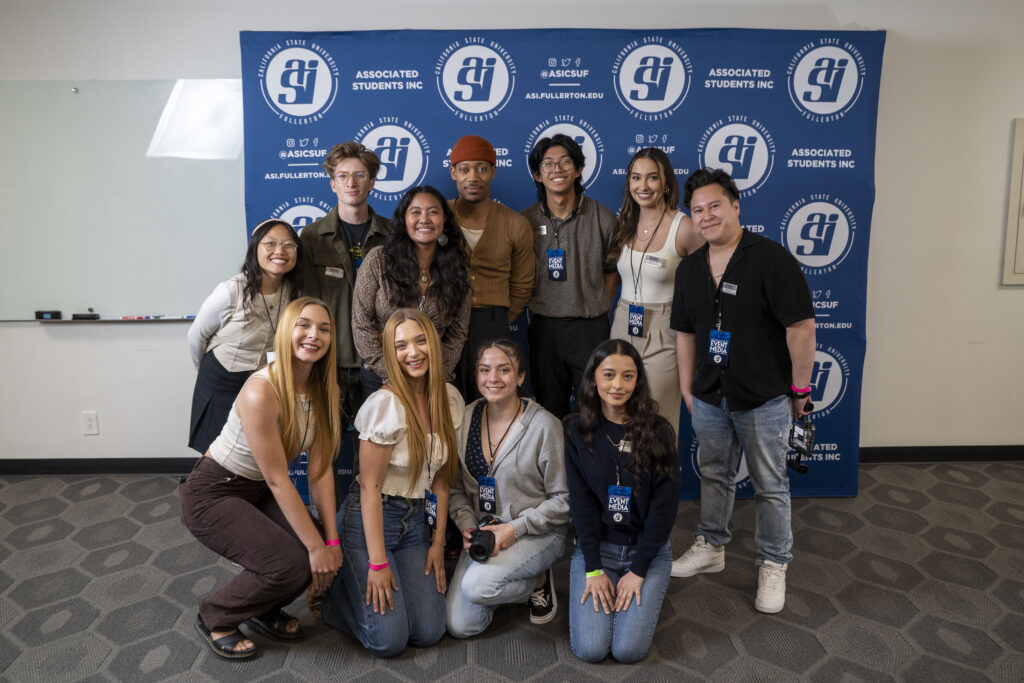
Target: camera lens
(481, 545)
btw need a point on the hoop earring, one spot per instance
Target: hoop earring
(442, 240)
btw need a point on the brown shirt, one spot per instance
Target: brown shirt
(371, 309)
(501, 265)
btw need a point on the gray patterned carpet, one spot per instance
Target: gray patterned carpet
(919, 578)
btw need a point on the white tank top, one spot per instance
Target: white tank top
(650, 278)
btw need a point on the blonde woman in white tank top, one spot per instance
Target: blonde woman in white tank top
(653, 238)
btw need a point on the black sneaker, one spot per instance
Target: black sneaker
(543, 604)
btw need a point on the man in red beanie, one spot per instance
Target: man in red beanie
(499, 248)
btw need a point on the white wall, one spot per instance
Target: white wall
(944, 338)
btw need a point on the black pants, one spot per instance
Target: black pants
(486, 323)
(559, 349)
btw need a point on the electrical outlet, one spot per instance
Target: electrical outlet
(90, 423)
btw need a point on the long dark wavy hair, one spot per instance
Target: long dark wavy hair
(449, 271)
(251, 266)
(629, 214)
(645, 428)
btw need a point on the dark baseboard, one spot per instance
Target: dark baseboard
(912, 454)
(868, 455)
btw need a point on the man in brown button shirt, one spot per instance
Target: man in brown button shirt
(499, 248)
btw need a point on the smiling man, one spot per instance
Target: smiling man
(745, 343)
(499, 250)
(334, 247)
(574, 278)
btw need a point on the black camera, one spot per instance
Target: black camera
(481, 541)
(801, 440)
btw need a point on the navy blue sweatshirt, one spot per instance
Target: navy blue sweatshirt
(653, 502)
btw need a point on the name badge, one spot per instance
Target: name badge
(618, 504)
(430, 508)
(654, 261)
(728, 288)
(542, 230)
(488, 494)
(556, 264)
(334, 272)
(270, 357)
(718, 348)
(636, 320)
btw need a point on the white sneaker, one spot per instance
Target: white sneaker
(771, 587)
(701, 558)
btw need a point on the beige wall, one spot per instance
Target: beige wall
(944, 338)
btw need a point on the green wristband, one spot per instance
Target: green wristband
(595, 573)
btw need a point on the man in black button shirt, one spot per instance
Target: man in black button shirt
(745, 340)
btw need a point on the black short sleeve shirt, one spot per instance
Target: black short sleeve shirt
(763, 291)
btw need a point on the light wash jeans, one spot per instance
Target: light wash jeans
(626, 635)
(478, 588)
(762, 433)
(418, 616)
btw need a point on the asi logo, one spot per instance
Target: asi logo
(299, 83)
(301, 211)
(819, 232)
(746, 151)
(579, 130)
(829, 379)
(652, 77)
(741, 479)
(825, 80)
(475, 79)
(404, 155)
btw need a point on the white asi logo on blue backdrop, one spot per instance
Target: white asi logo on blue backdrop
(742, 147)
(475, 78)
(301, 211)
(819, 232)
(585, 135)
(825, 79)
(652, 77)
(404, 155)
(299, 83)
(742, 477)
(829, 379)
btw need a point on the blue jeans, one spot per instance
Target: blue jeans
(418, 616)
(627, 635)
(762, 434)
(478, 588)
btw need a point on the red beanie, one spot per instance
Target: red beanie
(473, 148)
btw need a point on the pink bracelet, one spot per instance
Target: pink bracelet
(797, 390)
(377, 567)
(333, 541)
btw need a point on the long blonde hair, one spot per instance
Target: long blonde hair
(324, 395)
(437, 395)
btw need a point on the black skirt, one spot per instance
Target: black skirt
(215, 392)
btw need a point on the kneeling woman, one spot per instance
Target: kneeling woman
(240, 503)
(621, 461)
(513, 469)
(390, 593)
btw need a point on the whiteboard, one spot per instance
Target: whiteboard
(89, 221)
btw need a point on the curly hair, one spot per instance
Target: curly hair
(449, 270)
(645, 428)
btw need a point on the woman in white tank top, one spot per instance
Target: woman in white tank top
(653, 237)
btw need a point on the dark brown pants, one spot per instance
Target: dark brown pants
(239, 519)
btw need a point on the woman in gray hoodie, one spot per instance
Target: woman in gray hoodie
(513, 485)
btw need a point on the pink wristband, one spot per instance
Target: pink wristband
(333, 541)
(797, 390)
(377, 567)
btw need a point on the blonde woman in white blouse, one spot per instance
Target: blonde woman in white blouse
(390, 591)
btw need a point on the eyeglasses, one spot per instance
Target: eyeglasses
(271, 246)
(359, 177)
(565, 163)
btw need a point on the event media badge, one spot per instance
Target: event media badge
(556, 264)
(430, 508)
(488, 494)
(618, 503)
(636, 320)
(718, 348)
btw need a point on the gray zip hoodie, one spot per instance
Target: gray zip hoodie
(529, 473)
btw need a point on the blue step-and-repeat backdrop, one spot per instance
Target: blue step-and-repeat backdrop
(790, 114)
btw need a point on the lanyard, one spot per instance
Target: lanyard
(643, 256)
(491, 446)
(618, 449)
(273, 323)
(717, 297)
